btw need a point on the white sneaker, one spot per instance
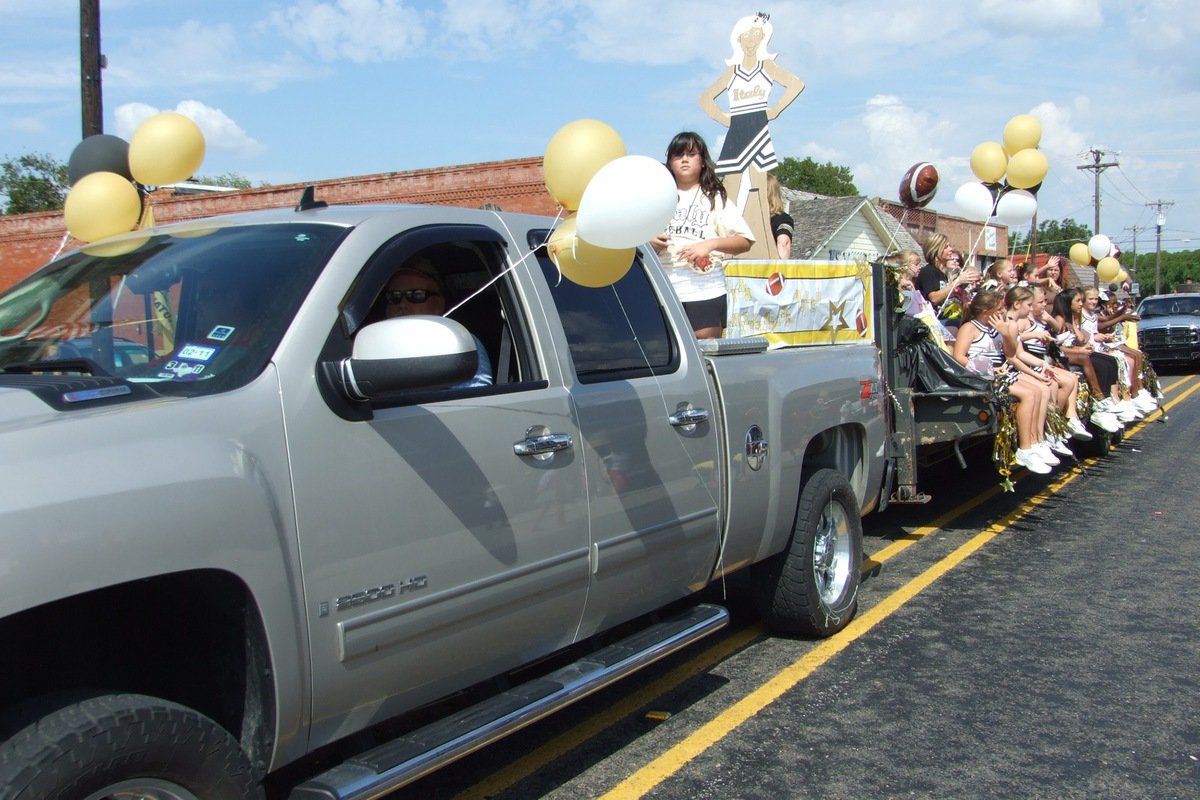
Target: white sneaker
(1106, 420)
(1059, 446)
(1143, 401)
(1042, 450)
(1126, 412)
(1078, 431)
(1029, 460)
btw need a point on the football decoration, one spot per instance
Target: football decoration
(774, 284)
(919, 185)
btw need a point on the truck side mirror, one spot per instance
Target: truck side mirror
(406, 354)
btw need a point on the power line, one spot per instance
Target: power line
(1162, 220)
(1096, 167)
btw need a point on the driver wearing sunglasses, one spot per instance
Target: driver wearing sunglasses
(416, 288)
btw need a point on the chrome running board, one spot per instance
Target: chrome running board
(425, 750)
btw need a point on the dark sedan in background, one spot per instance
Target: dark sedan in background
(1169, 330)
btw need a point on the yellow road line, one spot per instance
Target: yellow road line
(670, 762)
(674, 759)
(536, 759)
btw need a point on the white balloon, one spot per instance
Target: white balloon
(974, 200)
(1099, 246)
(627, 202)
(1016, 207)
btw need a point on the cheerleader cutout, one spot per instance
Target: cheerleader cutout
(748, 153)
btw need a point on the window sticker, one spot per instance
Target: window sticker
(221, 333)
(177, 370)
(197, 352)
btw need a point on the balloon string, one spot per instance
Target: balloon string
(628, 322)
(624, 312)
(950, 295)
(61, 245)
(894, 232)
(662, 395)
(511, 264)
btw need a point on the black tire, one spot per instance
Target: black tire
(125, 745)
(1098, 445)
(811, 587)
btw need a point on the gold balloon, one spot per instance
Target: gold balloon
(1079, 254)
(100, 205)
(575, 153)
(1027, 168)
(117, 246)
(167, 148)
(1022, 132)
(989, 161)
(584, 263)
(1108, 268)
(193, 233)
(1122, 276)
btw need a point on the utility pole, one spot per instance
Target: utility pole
(91, 61)
(1096, 167)
(1162, 220)
(1133, 267)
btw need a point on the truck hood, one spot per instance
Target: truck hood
(21, 408)
(30, 400)
(1169, 321)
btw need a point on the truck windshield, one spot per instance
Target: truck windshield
(189, 313)
(1169, 306)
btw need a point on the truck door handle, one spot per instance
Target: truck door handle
(543, 444)
(688, 416)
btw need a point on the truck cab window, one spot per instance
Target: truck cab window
(462, 280)
(616, 332)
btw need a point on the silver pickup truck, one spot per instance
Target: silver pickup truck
(249, 510)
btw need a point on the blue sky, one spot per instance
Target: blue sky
(296, 90)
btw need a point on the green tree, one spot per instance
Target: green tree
(231, 179)
(809, 176)
(1175, 269)
(33, 182)
(1053, 236)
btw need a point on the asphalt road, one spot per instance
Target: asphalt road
(1041, 643)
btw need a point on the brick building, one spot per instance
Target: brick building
(27, 241)
(988, 242)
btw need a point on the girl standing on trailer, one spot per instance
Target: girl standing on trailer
(705, 229)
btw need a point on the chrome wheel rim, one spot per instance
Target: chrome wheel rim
(831, 553)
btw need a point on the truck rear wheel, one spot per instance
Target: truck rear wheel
(124, 745)
(812, 586)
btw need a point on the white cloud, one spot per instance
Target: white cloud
(671, 33)
(1164, 36)
(358, 30)
(28, 125)
(1060, 139)
(220, 132)
(27, 77)
(130, 115)
(898, 137)
(1040, 18)
(196, 54)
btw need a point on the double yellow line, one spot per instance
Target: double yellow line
(675, 758)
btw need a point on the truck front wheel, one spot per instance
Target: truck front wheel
(812, 586)
(124, 745)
